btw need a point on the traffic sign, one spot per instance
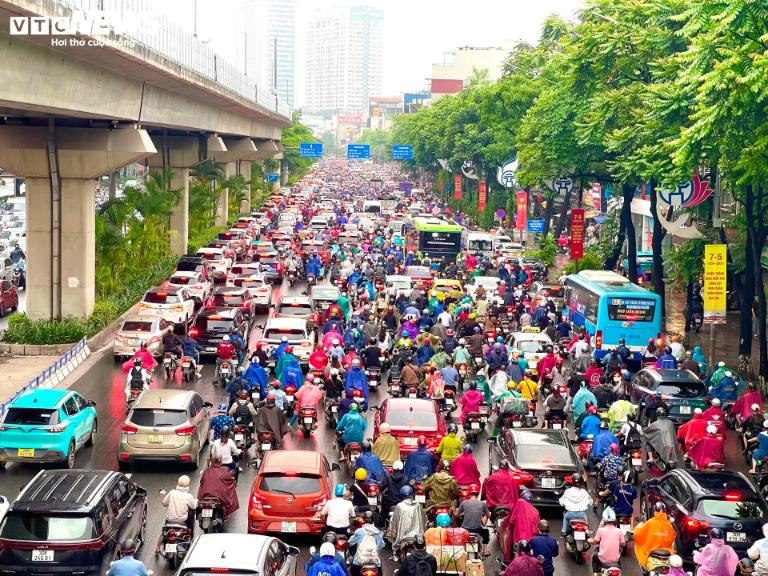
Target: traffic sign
(310, 150)
(356, 151)
(272, 177)
(501, 214)
(536, 226)
(402, 152)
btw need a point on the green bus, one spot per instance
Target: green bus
(437, 237)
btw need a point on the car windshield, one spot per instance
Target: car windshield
(682, 389)
(269, 259)
(137, 326)
(412, 419)
(550, 455)
(295, 484)
(228, 299)
(31, 416)
(732, 509)
(530, 346)
(158, 417)
(208, 324)
(161, 298)
(290, 335)
(40, 527)
(420, 272)
(295, 309)
(188, 266)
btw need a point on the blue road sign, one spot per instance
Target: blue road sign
(355, 151)
(536, 226)
(402, 152)
(311, 150)
(272, 177)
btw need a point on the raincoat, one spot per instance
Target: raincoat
(449, 447)
(329, 337)
(344, 304)
(743, 406)
(725, 389)
(500, 489)
(407, 522)
(601, 447)
(661, 436)
(442, 489)
(619, 411)
(373, 466)
(257, 376)
(356, 379)
(283, 362)
(352, 427)
(411, 328)
(470, 402)
(524, 565)
(716, 559)
(521, 524)
(148, 361)
(218, 482)
(698, 356)
(707, 450)
(692, 431)
(272, 420)
(309, 396)
(465, 470)
(656, 533)
(318, 360)
(419, 464)
(580, 399)
(292, 375)
(387, 448)
(715, 416)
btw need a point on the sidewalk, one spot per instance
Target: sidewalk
(16, 371)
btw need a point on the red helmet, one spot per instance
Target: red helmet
(592, 410)
(357, 393)
(276, 383)
(422, 440)
(474, 489)
(289, 349)
(320, 347)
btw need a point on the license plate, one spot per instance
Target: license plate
(557, 426)
(530, 412)
(308, 420)
(579, 535)
(210, 349)
(373, 501)
(239, 437)
(410, 441)
(42, 555)
(207, 513)
(225, 370)
(420, 498)
(334, 409)
(475, 425)
(548, 482)
(266, 447)
(738, 537)
(411, 395)
(449, 402)
(29, 453)
(289, 398)
(155, 438)
(637, 462)
(171, 548)
(185, 365)
(516, 424)
(626, 528)
(685, 409)
(289, 527)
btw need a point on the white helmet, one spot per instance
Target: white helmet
(284, 339)
(697, 411)
(384, 428)
(721, 364)
(715, 401)
(675, 561)
(728, 373)
(355, 362)
(609, 515)
(755, 407)
(335, 341)
(183, 481)
(327, 549)
(711, 429)
(226, 338)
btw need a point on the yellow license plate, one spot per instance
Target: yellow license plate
(27, 452)
(156, 438)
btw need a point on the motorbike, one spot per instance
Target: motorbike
(369, 569)
(448, 403)
(19, 279)
(332, 412)
(635, 462)
(352, 452)
(462, 370)
(187, 369)
(498, 515)
(243, 436)
(266, 443)
(176, 539)
(576, 543)
(473, 426)
(311, 281)
(226, 373)
(308, 420)
(625, 525)
(531, 420)
(170, 364)
(133, 395)
(290, 400)
(374, 499)
(730, 417)
(292, 278)
(585, 449)
(485, 413)
(556, 423)
(412, 392)
(210, 515)
(374, 377)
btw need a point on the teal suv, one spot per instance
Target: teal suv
(47, 426)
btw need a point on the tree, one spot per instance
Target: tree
(380, 142)
(295, 165)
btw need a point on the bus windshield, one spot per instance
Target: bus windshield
(480, 245)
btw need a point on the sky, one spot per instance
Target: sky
(416, 32)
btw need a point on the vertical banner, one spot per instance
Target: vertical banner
(457, 187)
(597, 197)
(577, 233)
(482, 195)
(521, 210)
(715, 263)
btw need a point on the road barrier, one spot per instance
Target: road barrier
(55, 373)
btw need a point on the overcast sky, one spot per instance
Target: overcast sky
(416, 32)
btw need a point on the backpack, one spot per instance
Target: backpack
(438, 389)
(594, 379)
(137, 378)
(422, 568)
(633, 439)
(367, 550)
(242, 414)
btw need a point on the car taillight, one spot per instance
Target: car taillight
(177, 308)
(185, 431)
(129, 429)
(318, 503)
(58, 427)
(194, 332)
(256, 502)
(693, 525)
(614, 572)
(279, 267)
(733, 497)
(119, 337)
(219, 570)
(599, 339)
(313, 318)
(522, 477)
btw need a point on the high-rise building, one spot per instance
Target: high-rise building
(281, 16)
(450, 77)
(344, 53)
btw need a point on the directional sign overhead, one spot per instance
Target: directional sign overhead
(310, 150)
(355, 151)
(402, 152)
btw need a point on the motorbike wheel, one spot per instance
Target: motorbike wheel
(306, 433)
(579, 557)
(172, 561)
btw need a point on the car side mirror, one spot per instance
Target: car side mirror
(334, 466)
(376, 407)
(208, 404)
(91, 403)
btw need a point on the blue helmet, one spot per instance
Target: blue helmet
(500, 339)
(339, 490)
(443, 520)
(406, 491)
(223, 408)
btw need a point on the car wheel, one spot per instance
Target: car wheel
(89, 442)
(142, 535)
(3, 465)
(123, 466)
(2, 310)
(70, 461)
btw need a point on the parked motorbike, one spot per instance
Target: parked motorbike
(210, 515)
(170, 364)
(175, 543)
(308, 418)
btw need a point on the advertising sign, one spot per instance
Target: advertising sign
(715, 263)
(536, 226)
(457, 186)
(311, 150)
(577, 233)
(402, 152)
(521, 209)
(597, 197)
(482, 195)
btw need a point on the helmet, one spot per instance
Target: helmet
(340, 490)
(270, 399)
(657, 394)
(406, 491)
(449, 331)
(183, 481)
(384, 427)
(721, 364)
(330, 537)
(577, 480)
(368, 517)
(462, 342)
(128, 547)
(667, 350)
(327, 549)
(355, 362)
(474, 489)
(728, 374)
(366, 446)
(497, 346)
(422, 440)
(353, 407)
(473, 385)
(361, 474)
(746, 565)
(527, 496)
(765, 424)
(675, 561)
(609, 515)
(335, 342)
(225, 431)
(752, 386)
(284, 339)
(309, 378)
(524, 547)
(226, 338)
(467, 448)
(716, 402)
(137, 362)
(452, 428)
(445, 465)
(592, 409)
(243, 395)
(661, 412)
(499, 339)
(443, 520)
(697, 411)
(223, 408)
(419, 543)
(397, 465)
(621, 342)
(404, 334)
(716, 533)
(543, 527)
(660, 507)
(615, 447)
(276, 384)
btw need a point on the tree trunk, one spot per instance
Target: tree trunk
(564, 211)
(613, 259)
(629, 192)
(657, 272)
(747, 297)
(548, 217)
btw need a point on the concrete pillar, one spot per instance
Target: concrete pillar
(245, 169)
(222, 205)
(78, 247)
(180, 214)
(39, 303)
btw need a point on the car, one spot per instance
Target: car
(323, 297)
(350, 238)
(194, 263)
(218, 261)
(534, 264)
(166, 425)
(540, 291)
(174, 305)
(697, 501)
(318, 247)
(297, 307)
(282, 240)
(681, 390)
(72, 522)
(198, 284)
(543, 460)
(289, 491)
(421, 277)
(295, 330)
(47, 425)
(9, 297)
(489, 283)
(318, 223)
(242, 270)
(408, 419)
(138, 329)
(272, 265)
(240, 297)
(260, 246)
(533, 345)
(243, 554)
(286, 219)
(235, 240)
(261, 291)
(212, 324)
(396, 285)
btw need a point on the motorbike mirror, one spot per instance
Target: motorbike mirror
(293, 551)
(374, 408)
(492, 439)
(91, 403)
(208, 404)
(334, 466)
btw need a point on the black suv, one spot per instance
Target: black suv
(193, 263)
(698, 501)
(71, 522)
(211, 324)
(682, 391)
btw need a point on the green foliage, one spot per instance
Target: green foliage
(592, 260)
(292, 137)
(546, 252)
(684, 263)
(25, 331)
(202, 237)
(380, 141)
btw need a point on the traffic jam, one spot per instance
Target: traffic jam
(355, 379)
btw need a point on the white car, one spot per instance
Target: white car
(295, 330)
(396, 285)
(260, 289)
(532, 344)
(196, 283)
(174, 305)
(137, 330)
(243, 269)
(490, 283)
(218, 260)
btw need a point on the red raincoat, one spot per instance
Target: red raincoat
(521, 524)
(692, 431)
(707, 450)
(545, 365)
(309, 396)
(470, 402)
(217, 482)
(464, 470)
(148, 361)
(500, 489)
(716, 417)
(318, 360)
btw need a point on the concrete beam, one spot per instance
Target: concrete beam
(175, 151)
(236, 149)
(267, 149)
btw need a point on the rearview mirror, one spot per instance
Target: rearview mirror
(91, 403)
(293, 551)
(334, 466)
(376, 407)
(492, 439)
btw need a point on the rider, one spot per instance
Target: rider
(327, 564)
(522, 522)
(419, 562)
(356, 378)
(621, 493)
(657, 533)
(708, 450)
(350, 428)
(218, 482)
(180, 503)
(524, 564)
(128, 565)
(271, 418)
(662, 438)
(242, 410)
(743, 407)
(757, 550)
(545, 548)
(500, 488)
(257, 376)
(590, 425)
(308, 396)
(420, 463)
(610, 539)
(221, 420)
(138, 378)
(716, 558)
(338, 511)
(441, 488)
(369, 540)
(226, 450)
(171, 344)
(386, 446)
(191, 349)
(407, 519)
(761, 452)
(576, 501)
(726, 389)
(464, 468)
(450, 446)
(372, 464)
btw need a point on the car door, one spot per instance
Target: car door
(72, 411)
(673, 493)
(202, 418)
(85, 415)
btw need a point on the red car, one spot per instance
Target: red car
(309, 246)
(421, 277)
(408, 419)
(289, 491)
(9, 297)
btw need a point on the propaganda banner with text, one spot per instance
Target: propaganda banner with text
(715, 264)
(597, 197)
(482, 195)
(577, 233)
(521, 210)
(457, 186)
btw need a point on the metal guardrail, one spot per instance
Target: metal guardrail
(55, 373)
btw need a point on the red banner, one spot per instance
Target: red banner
(597, 197)
(577, 233)
(482, 195)
(521, 208)
(457, 187)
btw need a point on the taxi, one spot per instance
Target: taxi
(447, 285)
(531, 343)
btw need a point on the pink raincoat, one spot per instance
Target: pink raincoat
(329, 337)
(148, 361)
(464, 470)
(500, 489)
(743, 406)
(470, 402)
(309, 396)
(716, 559)
(521, 524)
(707, 450)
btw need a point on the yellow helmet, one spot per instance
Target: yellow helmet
(361, 474)
(472, 315)
(511, 385)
